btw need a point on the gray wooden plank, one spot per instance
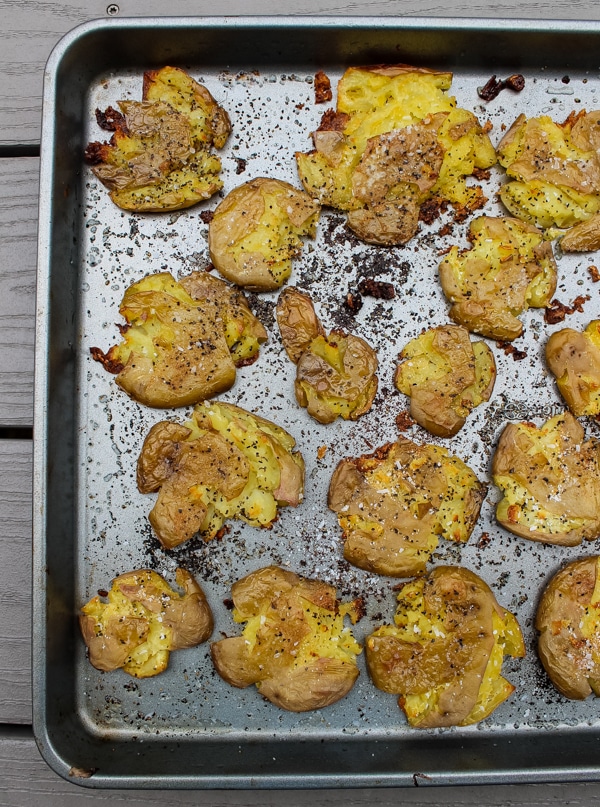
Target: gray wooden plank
(15, 581)
(31, 29)
(26, 781)
(18, 228)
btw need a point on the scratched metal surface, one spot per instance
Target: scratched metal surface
(273, 112)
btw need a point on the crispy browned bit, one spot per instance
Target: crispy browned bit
(333, 121)
(111, 119)
(557, 311)
(322, 88)
(207, 216)
(229, 604)
(241, 165)
(487, 126)
(461, 213)
(510, 350)
(353, 302)
(483, 540)
(494, 86)
(95, 153)
(432, 209)
(481, 173)
(376, 288)
(321, 451)
(106, 361)
(594, 273)
(445, 230)
(404, 421)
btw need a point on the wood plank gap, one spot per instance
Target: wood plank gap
(23, 150)
(16, 433)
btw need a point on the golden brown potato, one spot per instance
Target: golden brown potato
(550, 478)
(335, 374)
(446, 377)
(444, 653)
(183, 339)
(554, 173)
(141, 619)
(568, 619)
(508, 269)
(257, 230)
(396, 140)
(393, 504)
(159, 157)
(225, 463)
(294, 646)
(574, 359)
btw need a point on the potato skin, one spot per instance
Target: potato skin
(143, 620)
(393, 504)
(569, 653)
(441, 401)
(550, 477)
(256, 231)
(447, 625)
(282, 649)
(574, 359)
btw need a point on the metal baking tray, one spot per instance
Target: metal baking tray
(187, 728)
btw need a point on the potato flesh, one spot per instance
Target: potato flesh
(393, 505)
(446, 377)
(294, 646)
(574, 360)
(444, 653)
(225, 463)
(396, 140)
(508, 269)
(141, 620)
(550, 478)
(183, 339)
(568, 619)
(257, 230)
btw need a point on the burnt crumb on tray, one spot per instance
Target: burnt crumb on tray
(323, 91)
(510, 350)
(494, 86)
(557, 311)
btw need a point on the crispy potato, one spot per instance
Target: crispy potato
(574, 359)
(554, 172)
(446, 376)
(393, 504)
(159, 157)
(224, 463)
(335, 374)
(294, 646)
(137, 624)
(444, 654)
(183, 339)
(550, 478)
(257, 230)
(569, 624)
(396, 140)
(508, 269)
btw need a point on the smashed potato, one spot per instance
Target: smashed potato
(554, 172)
(550, 478)
(224, 463)
(393, 504)
(335, 374)
(574, 359)
(183, 339)
(508, 269)
(443, 656)
(137, 624)
(396, 140)
(568, 619)
(294, 646)
(257, 230)
(446, 376)
(159, 156)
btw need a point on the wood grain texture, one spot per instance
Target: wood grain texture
(26, 781)
(18, 227)
(31, 29)
(15, 581)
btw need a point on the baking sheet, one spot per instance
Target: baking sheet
(90, 252)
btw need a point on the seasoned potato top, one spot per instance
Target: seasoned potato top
(396, 139)
(294, 646)
(159, 156)
(574, 359)
(550, 478)
(507, 269)
(444, 653)
(141, 619)
(393, 504)
(568, 619)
